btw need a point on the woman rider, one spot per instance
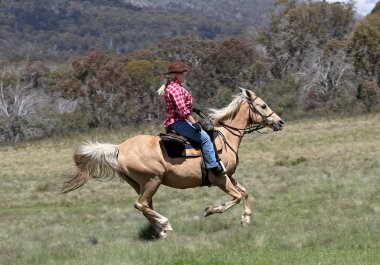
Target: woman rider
(178, 118)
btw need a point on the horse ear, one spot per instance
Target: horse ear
(244, 91)
(248, 93)
(251, 94)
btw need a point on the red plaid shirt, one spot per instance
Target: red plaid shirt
(179, 102)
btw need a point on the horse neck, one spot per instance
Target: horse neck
(240, 121)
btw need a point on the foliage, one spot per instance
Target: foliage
(22, 105)
(301, 28)
(364, 46)
(308, 41)
(283, 94)
(309, 61)
(213, 66)
(192, 52)
(251, 12)
(328, 76)
(105, 86)
(146, 77)
(368, 93)
(231, 62)
(57, 30)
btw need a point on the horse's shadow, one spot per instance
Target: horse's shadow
(148, 233)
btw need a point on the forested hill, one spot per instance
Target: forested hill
(57, 29)
(314, 58)
(251, 12)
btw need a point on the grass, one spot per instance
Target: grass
(314, 191)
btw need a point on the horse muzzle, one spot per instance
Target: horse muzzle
(277, 125)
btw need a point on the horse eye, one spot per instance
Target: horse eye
(264, 106)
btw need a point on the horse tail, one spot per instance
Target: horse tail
(92, 160)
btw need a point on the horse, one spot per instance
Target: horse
(144, 164)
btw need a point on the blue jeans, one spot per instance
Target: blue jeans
(185, 128)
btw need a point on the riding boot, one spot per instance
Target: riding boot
(218, 170)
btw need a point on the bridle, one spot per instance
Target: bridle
(240, 132)
(252, 127)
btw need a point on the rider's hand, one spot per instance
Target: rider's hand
(196, 110)
(197, 126)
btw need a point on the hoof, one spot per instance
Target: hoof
(167, 227)
(163, 235)
(208, 211)
(244, 223)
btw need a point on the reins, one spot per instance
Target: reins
(251, 128)
(240, 131)
(228, 144)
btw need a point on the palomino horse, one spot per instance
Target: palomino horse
(144, 164)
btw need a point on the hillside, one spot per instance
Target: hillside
(252, 12)
(56, 30)
(313, 190)
(310, 61)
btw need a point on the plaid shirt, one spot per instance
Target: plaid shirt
(179, 102)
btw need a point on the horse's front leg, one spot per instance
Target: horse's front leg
(246, 217)
(225, 184)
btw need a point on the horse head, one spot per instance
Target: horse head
(260, 113)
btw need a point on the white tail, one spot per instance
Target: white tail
(93, 160)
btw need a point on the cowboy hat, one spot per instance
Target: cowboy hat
(176, 68)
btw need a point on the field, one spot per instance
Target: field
(314, 189)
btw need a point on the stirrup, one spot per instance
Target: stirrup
(219, 170)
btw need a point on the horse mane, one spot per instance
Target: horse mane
(229, 112)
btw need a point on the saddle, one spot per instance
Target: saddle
(179, 146)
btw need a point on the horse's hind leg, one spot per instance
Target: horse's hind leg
(144, 204)
(225, 184)
(136, 187)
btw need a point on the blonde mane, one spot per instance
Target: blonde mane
(227, 113)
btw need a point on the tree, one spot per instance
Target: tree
(103, 85)
(146, 77)
(231, 62)
(364, 45)
(327, 75)
(193, 52)
(21, 110)
(297, 29)
(367, 92)
(306, 43)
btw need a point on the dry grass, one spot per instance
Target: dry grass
(314, 190)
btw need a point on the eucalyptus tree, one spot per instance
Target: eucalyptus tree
(364, 46)
(307, 41)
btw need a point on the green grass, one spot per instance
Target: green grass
(314, 189)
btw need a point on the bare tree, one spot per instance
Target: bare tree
(20, 109)
(325, 75)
